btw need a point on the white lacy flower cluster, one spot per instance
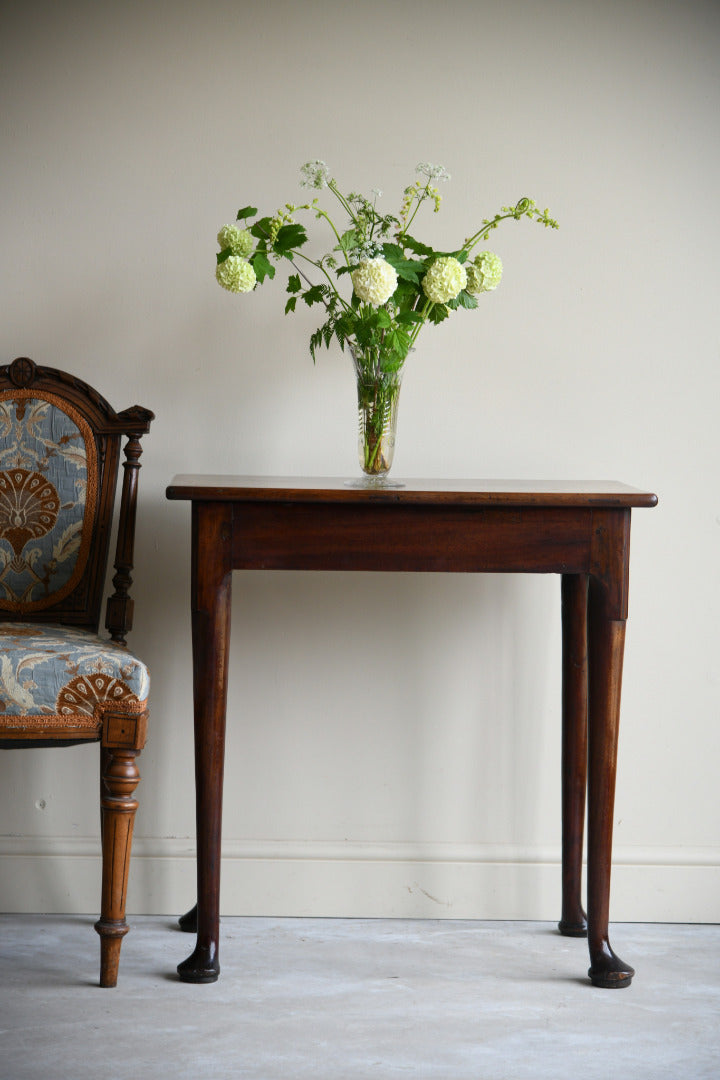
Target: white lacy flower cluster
(235, 274)
(374, 281)
(484, 272)
(315, 174)
(433, 172)
(445, 279)
(238, 240)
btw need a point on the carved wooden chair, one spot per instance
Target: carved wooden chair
(61, 682)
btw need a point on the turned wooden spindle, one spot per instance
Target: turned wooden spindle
(119, 617)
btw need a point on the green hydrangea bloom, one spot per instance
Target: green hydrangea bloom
(484, 273)
(374, 281)
(445, 280)
(239, 241)
(235, 274)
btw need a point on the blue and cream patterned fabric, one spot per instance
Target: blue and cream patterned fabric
(48, 478)
(67, 673)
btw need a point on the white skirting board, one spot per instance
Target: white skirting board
(286, 879)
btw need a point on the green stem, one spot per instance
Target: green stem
(380, 416)
(323, 214)
(342, 200)
(321, 268)
(482, 233)
(421, 196)
(419, 325)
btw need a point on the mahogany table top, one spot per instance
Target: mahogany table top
(481, 492)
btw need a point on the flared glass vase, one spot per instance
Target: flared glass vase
(378, 393)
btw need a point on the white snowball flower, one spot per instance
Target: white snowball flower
(374, 281)
(235, 274)
(239, 241)
(484, 272)
(445, 280)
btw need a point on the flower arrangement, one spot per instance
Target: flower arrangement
(397, 284)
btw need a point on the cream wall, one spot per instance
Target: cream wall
(393, 742)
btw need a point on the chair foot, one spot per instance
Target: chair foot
(202, 966)
(188, 921)
(111, 935)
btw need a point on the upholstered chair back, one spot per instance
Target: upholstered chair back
(59, 458)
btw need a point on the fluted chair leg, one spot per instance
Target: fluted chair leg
(120, 779)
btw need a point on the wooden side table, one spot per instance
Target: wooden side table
(580, 531)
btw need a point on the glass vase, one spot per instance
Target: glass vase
(378, 380)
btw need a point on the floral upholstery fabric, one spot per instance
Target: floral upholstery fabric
(47, 499)
(66, 673)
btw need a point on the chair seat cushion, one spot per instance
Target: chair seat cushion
(54, 678)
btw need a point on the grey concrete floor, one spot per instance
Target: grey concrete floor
(337, 999)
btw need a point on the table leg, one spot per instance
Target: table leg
(188, 921)
(606, 635)
(573, 922)
(211, 594)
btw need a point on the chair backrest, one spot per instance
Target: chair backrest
(59, 460)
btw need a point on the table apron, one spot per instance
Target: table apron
(391, 537)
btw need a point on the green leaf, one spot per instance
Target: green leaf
(406, 294)
(392, 362)
(223, 255)
(315, 343)
(294, 285)
(288, 238)
(463, 299)
(407, 318)
(399, 342)
(349, 240)
(416, 246)
(408, 269)
(290, 306)
(261, 228)
(344, 326)
(246, 212)
(438, 313)
(314, 295)
(364, 332)
(262, 266)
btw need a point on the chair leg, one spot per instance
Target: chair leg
(120, 778)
